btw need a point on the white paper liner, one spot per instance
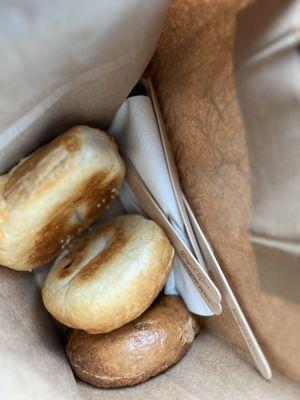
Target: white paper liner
(135, 129)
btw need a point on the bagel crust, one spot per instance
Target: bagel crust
(137, 351)
(55, 193)
(110, 276)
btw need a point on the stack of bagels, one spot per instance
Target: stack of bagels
(104, 279)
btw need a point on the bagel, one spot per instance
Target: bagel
(110, 276)
(137, 351)
(54, 194)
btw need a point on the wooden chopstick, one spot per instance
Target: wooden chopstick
(254, 348)
(201, 246)
(172, 169)
(199, 276)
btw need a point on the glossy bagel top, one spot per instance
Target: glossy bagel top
(136, 351)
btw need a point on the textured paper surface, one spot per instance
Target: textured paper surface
(66, 63)
(33, 363)
(269, 91)
(63, 63)
(193, 74)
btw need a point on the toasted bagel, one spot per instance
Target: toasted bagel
(110, 276)
(55, 193)
(135, 352)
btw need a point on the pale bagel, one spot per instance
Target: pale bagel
(54, 194)
(135, 352)
(110, 276)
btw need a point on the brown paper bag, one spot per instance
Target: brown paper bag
(66, 76)
(194, 75)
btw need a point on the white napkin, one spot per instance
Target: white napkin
(135, 129)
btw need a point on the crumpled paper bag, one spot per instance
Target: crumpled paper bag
(63, 63)
(67, 62)
(193, 72)
(58, 48)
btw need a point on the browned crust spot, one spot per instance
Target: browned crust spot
(118, 241)
(167, 321)
(104, 382)
(60, 228)
(72, 143)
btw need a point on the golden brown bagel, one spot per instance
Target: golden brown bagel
(110, 276)
(135, 352)
(54, 194)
